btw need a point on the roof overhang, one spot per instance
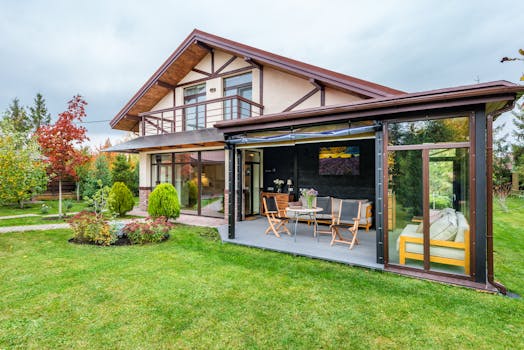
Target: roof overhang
(198, 44)
(497, 97)
(186, 139)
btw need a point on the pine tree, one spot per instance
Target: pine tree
(122, 170)
(15, 118)
(38, 113)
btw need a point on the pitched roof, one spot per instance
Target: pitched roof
(195, 47)
(498, 95)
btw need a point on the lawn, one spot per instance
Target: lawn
(194, 292)
(35, 208)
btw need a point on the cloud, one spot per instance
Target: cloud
(107, 50)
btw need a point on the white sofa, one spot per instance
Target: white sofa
(449, 240)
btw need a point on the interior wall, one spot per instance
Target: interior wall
(279, 163)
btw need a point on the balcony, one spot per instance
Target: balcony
(195, 116)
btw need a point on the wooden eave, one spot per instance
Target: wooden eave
(380, 108)
(198, 44)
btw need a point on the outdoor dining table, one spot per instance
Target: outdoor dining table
(301, 212)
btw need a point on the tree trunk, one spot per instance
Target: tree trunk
(60, 198)
(78, 191)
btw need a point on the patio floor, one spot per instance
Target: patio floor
(251, 233)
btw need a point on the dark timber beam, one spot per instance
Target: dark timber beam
(201, 72)
(300, 100)
(252, 62)
(204, 46)
(320, 88)
(165, 85)
(133, 117)
(228, 62)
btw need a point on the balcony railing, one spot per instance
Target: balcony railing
(198, 115)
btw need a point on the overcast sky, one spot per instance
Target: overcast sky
(105, 50)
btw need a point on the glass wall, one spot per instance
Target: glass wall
(429, 195)
(199, 178)
(213, 183)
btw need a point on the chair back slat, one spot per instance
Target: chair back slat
(271, 204)
(349, 211)
(325, 204)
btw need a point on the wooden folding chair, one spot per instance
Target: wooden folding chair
(326, 216)
(277, 223)
(348, 219)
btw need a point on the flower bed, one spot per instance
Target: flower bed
(91, 228)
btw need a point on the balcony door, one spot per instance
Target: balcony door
(240, 85)
(195, 116)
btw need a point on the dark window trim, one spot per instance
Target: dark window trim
(471, 144)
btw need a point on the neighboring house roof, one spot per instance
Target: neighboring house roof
(196, 46)
(498, 95)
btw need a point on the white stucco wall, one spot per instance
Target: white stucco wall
(280, 90)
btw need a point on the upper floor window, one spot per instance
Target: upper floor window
(241, 85)
(195, 116)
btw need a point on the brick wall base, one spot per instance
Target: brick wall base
(143, 195)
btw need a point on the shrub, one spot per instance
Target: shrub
(120, 199)
(44, 209)
(91, 228)
(68, 205)
(163, 201)
(149, 231)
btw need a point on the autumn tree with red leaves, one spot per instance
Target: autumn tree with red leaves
(58, 143)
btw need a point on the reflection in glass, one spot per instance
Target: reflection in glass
(238, 85)
(449, 214)
(429, 131)
(195, 117)
(213, 183)
(404, 200)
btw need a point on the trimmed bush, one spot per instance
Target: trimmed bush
(120, 199)
(163, 201)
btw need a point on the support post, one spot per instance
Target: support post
(480, 196)
(231, 193)
(379, 196)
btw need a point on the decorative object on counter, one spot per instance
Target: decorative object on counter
(279, 183)
(289, 184)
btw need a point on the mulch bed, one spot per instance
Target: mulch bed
(119, 242)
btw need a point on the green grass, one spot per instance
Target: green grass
(34, 208)
(509, 244)
(193, 292)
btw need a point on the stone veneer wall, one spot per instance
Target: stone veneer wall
(143, 195)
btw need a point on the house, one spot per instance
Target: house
(222, 121)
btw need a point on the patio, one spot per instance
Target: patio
(251, 233)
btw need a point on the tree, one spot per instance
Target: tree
(15, 119)
(99, 174)
(58, 142)
(501, 157)
(121, 171)
(22, 172)
(38, 113)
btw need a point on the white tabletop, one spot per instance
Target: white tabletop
(304, 210)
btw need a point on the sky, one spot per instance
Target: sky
(106, 50)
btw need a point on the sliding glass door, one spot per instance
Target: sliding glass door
(428, 188)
